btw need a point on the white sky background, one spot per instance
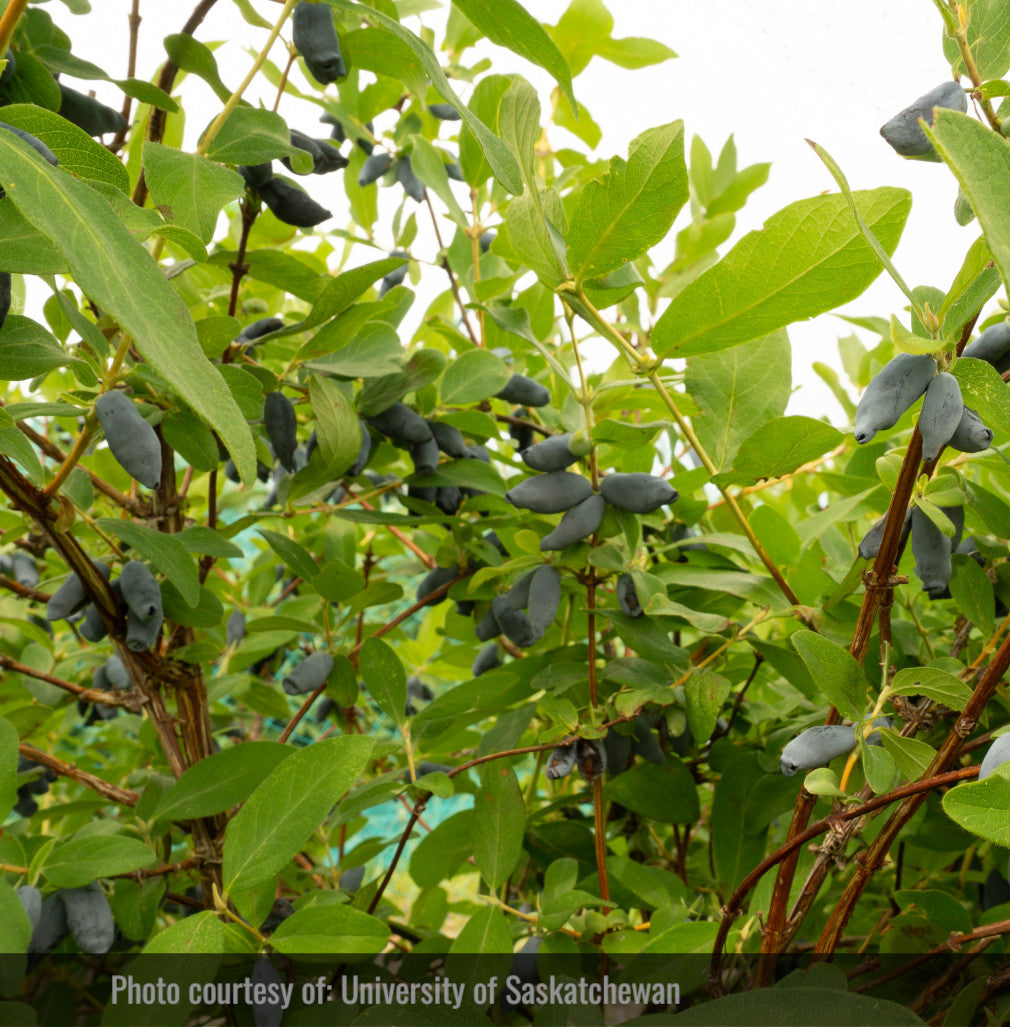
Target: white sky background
(770, 73)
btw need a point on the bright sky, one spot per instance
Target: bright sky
(770, 73)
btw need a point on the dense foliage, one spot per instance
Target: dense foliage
(333, 625)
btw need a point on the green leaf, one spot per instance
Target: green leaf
(27, 350)
(8, 767)
(288, 806)
(61, 61)
(24, 249)
(808, 258)
(280, 270)
(294, 556)
(329, 928)
(469, 473)
(193, 188)
(984, 390)
(200, 934)
(791, 1007)
(911, 756)
(222, 780)
(939, 907)
(75, 862)
(193, 56)
(666, 793)
(117, 273)
(824, 782)
(634, 52)
(980, 160)
(506, 170)
(377, 50)
(933, 682)
(498, 823)
(15, 929)
(340, 292)
(746, 800)
(252, 135)
(972, 591)
(191, 439)
(16, 446)
(736, 391)
(559, 898)
(166, 552)
(427, 164)
(982, 807)
(384, 677)
(78, 153)
(486, 931)
(33, 83)
(837, 675)
(908, 342)
(632, 207)
(879, 768)
(704, 694)
(337, 426)
(473, 376)
(778, 448)
(584, 31)
(509, 24)
(527, 235)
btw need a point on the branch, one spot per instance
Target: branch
(23, 590)
(874, 857)
(444, 262)
(106, 790)
(127, 700)
(733, 908)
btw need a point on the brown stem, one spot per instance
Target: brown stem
(23, 590)
(777, 935)
(106, 790)
(88, 694)
(874, 856)
(448, 270)
(422, 801)
(134, 20)
(239, 267)
(733, 908)
(599, 823)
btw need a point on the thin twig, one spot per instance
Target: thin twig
(104, 788)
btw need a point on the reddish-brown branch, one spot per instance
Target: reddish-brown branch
(23, 590)
(733, 908)
(108, 791)
(422, 801)
(131, 702)
(873, 858)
